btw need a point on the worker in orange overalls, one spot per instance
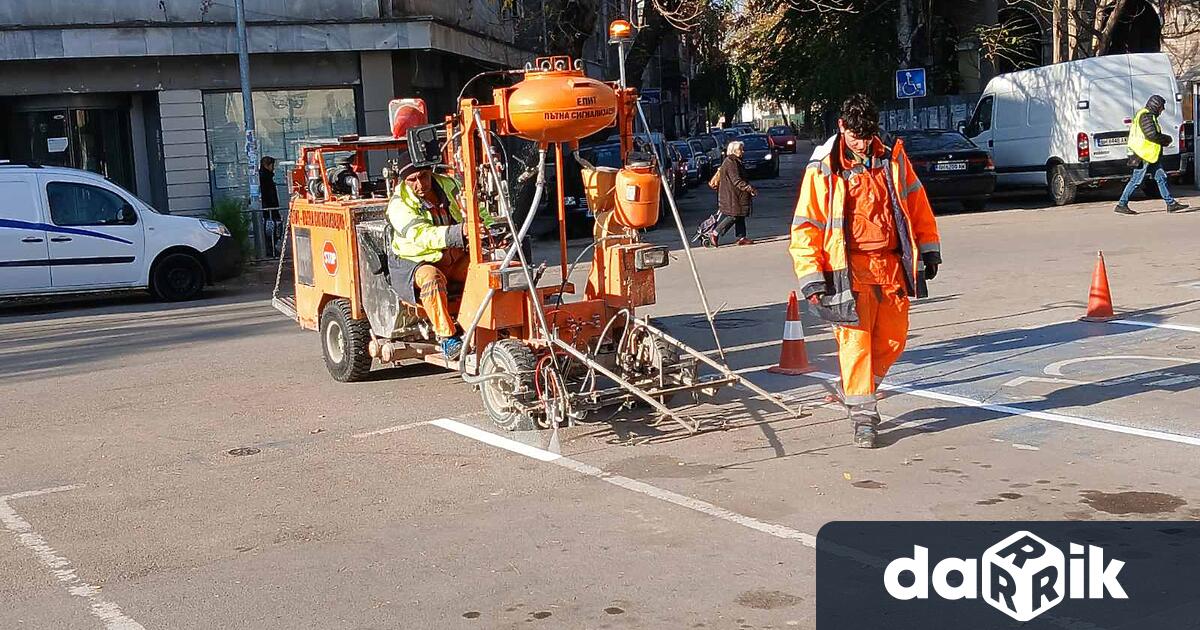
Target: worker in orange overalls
(862, 222)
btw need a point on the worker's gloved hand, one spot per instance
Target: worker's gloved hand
(931, 260)
(815, 298)
(456, 237)
(1168, 142)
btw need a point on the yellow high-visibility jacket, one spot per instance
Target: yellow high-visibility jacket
(1140, 143)
(819, 249)
(415, 237)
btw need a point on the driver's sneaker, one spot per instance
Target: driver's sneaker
(1176, 206)
(1124, 209)
(864, 436)
(451, 347)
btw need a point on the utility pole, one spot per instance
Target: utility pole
(248, 109)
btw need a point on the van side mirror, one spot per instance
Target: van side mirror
(961, 127)
(424, 145)
(128, 215)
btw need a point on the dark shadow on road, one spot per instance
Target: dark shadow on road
(1173, 379)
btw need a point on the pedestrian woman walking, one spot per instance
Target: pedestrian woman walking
(734, 196)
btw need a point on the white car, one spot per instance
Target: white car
(1065, 126)
(64, 230)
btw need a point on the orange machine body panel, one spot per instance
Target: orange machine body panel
(558, 105)
(625, 286)
(326, 255)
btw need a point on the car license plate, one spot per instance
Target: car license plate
(950, 166)
(1111, 142)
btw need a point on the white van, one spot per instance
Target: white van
(64, 230)
(1064, 126)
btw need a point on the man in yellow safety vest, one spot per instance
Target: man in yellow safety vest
(1146, 142)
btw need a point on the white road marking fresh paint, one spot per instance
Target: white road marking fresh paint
(392, 429)
(1021, 380)
(1132, 322)
(641, 487)
(1028, 413)
(1055, 369)
(60, 567)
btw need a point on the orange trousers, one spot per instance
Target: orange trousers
(867, 351)
(431, 280)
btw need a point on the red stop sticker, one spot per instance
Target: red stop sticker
(329, 257)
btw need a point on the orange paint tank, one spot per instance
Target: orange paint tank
(558, 103)
(637, 193)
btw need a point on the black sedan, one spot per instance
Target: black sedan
(951, 167)
(760, 160)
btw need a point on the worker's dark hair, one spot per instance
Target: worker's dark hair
(860, 116)
(266, 161)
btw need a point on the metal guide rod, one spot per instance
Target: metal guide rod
(634, 389)
(687, 248)
(529, 279)
(513, 250)
(717, 366)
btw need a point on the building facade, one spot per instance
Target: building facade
(145, 92)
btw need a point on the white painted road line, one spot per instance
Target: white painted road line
(1134, 322)
(703, 507)
(1012, 410)
(393, 429)
(60, 567)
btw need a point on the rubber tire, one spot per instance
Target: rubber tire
(355, 363)
(974, 205)
(177, 277)
(512, 357)
(1062, 192)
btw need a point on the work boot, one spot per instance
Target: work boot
(451, 347)
(744, 241)
(1124, 209)
(864, 436)
(1176, 206)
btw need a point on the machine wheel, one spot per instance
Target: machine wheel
(508, 356)
(1062, 191)
(344, 341)
(177, 278)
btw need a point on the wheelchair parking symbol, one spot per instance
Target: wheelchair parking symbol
(910, 83)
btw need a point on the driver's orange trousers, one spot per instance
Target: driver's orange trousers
(431, 280)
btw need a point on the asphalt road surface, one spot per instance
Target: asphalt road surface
(394, 504)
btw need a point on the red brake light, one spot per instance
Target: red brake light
(1183, 144)
(1083, 147)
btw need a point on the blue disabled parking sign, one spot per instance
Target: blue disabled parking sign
(910, 83)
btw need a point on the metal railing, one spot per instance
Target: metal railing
(268, 228)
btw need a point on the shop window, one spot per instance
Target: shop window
(281, 117)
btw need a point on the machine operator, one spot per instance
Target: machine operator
(429, 247)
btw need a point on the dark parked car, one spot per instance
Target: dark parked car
(707, 145)
(951, 167)
(691, 161)
(760, 160)
(545, 224)
(782, 139)
(730, 135)
(679, 167)
(1187, 151)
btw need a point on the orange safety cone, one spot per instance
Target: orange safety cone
(1099, 307)
(793, 358)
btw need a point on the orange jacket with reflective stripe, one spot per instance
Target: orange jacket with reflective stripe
(820, 254)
